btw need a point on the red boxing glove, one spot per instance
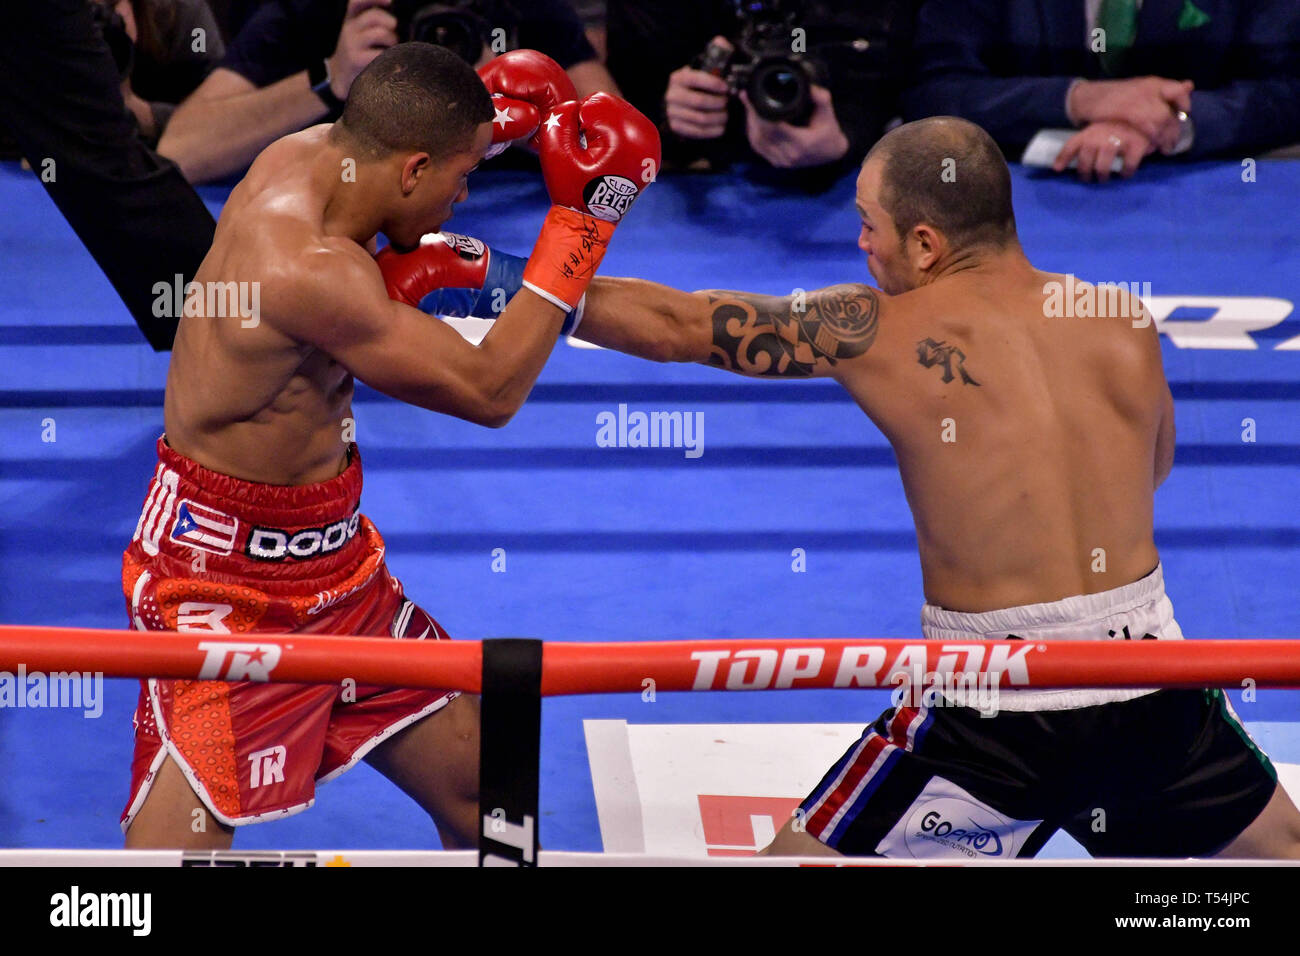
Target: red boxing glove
(598, 155)
(515, 122)
(457, 276)
(442, 262)
(596, 158)
(525, 86)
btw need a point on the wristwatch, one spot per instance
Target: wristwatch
(318, 77)
(1186, 134)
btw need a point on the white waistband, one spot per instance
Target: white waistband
(1137, 611)
(1081, 612)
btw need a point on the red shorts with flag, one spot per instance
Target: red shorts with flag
(223, 556)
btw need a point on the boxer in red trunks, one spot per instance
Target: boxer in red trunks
(251, 524)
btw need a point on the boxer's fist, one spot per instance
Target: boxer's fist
(514, 122)
(457, 276)
(597, 155)
(451, 275)
(525, 86)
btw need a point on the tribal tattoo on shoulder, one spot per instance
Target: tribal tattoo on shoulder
(931, 353)
(793, 336)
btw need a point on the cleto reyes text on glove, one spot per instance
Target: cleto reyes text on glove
(597, 156)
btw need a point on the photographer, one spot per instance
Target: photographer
(61, 96)
(163, 49)
(292, 63)
(790, 84)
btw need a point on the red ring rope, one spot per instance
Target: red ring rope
(580, 668)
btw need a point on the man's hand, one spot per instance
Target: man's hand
(695, 103)
(140, 109)
(1149, 104)
(1096, 147)
(368, 30)
(791, 147)
(451, 275)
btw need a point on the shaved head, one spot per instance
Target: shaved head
(414, 97)
(947, 173)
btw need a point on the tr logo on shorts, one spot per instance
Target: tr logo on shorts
(276, 544)
(267, 767)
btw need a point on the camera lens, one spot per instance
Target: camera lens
(459, 32)
(780, 87)
(780, 92)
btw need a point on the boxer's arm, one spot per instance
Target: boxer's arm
(796, 336)
(339, 304)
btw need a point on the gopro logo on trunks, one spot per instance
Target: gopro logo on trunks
(946, 821)
(980, 839)
(268, 767)
(609, 197)
(275, 544)
(227, 660)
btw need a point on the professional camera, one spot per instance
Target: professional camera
(764, 62)
(465, 27)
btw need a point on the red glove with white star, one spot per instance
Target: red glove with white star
(597, 156)
(525, 87)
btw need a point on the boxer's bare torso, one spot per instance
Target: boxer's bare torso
(268, 398)
(243, 398)
(1038, 482)
(1031, 476)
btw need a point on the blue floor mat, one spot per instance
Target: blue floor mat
(637, 544)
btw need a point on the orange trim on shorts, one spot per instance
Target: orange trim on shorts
(199, 724)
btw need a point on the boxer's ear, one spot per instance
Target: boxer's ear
(926, 246)
(415, 168)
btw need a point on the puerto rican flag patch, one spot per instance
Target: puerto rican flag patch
(207, 529)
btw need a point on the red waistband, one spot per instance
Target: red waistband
(280, 506)
(250, 531)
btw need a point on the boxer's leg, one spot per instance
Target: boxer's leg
(1275, 834)
(1201, 787)
(435, 763)
(790, 842)
(173, 817)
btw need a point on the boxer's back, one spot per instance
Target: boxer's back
(1031, 472)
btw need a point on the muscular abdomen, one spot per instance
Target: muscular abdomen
(243, 403)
